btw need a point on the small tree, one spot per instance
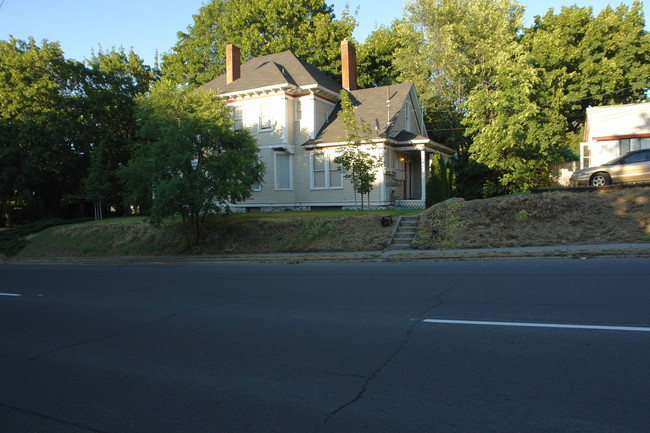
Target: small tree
(180, 127)
(438, 184)
(360, 165)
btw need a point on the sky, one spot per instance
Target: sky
(83, 26)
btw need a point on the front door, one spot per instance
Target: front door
(407, 181)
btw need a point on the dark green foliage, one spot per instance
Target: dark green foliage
(115, 79)
(472, 177)
(177, 126)
(42, 152)
(375, 58)
(53, 111)
(439, 187)
(12, 241)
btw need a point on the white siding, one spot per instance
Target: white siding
(322, 110)
(276, 106)
(607, 126)
(289, 133)
(618, 120)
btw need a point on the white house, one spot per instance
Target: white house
(613, 130)
(291, 108)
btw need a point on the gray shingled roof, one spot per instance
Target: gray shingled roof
(378, 106)
(271, 70)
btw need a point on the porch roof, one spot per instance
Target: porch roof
(407, 140)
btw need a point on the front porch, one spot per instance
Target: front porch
(408, 186)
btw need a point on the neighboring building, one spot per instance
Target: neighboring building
(611, 131)
(291, 108)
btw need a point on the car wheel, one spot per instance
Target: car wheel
(600, 179)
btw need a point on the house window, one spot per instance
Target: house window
(297, 110)
(266, 120)
(257, 186)
(628, 145)
(283, 171)
(237, 118)
(325, 173)
(586, 156)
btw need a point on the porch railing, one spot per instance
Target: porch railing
(410, 204)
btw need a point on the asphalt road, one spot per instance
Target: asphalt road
(345, 348)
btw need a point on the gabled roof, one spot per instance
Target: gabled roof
(281, 69)
(377, 106)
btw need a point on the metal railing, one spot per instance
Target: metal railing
(410, 204)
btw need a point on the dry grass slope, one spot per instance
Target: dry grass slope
(236, 234)
(551, 218)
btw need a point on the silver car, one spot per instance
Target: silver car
(631, 167)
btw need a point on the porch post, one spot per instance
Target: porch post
(423, 173)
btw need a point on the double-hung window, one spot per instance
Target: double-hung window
(266, 118)
(283, 171)
(325, 173)
(257, 186)
(297, 110)
(237, 118)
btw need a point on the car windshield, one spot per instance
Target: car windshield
(615, 160)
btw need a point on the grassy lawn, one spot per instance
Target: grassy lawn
(268, 232)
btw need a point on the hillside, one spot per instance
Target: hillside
(551, 218)
(607, 215)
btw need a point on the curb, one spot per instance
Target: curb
(638, 250)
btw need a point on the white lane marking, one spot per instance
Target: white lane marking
(10, 294)
(540, 325)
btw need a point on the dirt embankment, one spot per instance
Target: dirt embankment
(550, 218)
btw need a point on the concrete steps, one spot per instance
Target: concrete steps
(404, 233)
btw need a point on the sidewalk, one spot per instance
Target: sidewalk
(551, 251)
(625, 250)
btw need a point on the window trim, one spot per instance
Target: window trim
(297, 110)
(235, 118)
(257, 187)
(328, 178)
(275, 171)
(264, 116)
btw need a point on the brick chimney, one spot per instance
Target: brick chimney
(233, 63)
(349, 65)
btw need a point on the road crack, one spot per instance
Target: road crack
(122, 332)
(368, 379)
(51, 418)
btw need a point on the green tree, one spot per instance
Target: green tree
(42, 157)
(98, 183)
(511, 133)
(358, 156)
(438, 184)
(527, 116)
(590, 61)
(448, 44)
(115, 79)
(177, 127)
(446, 50)
(375, 58)
(258, 27)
